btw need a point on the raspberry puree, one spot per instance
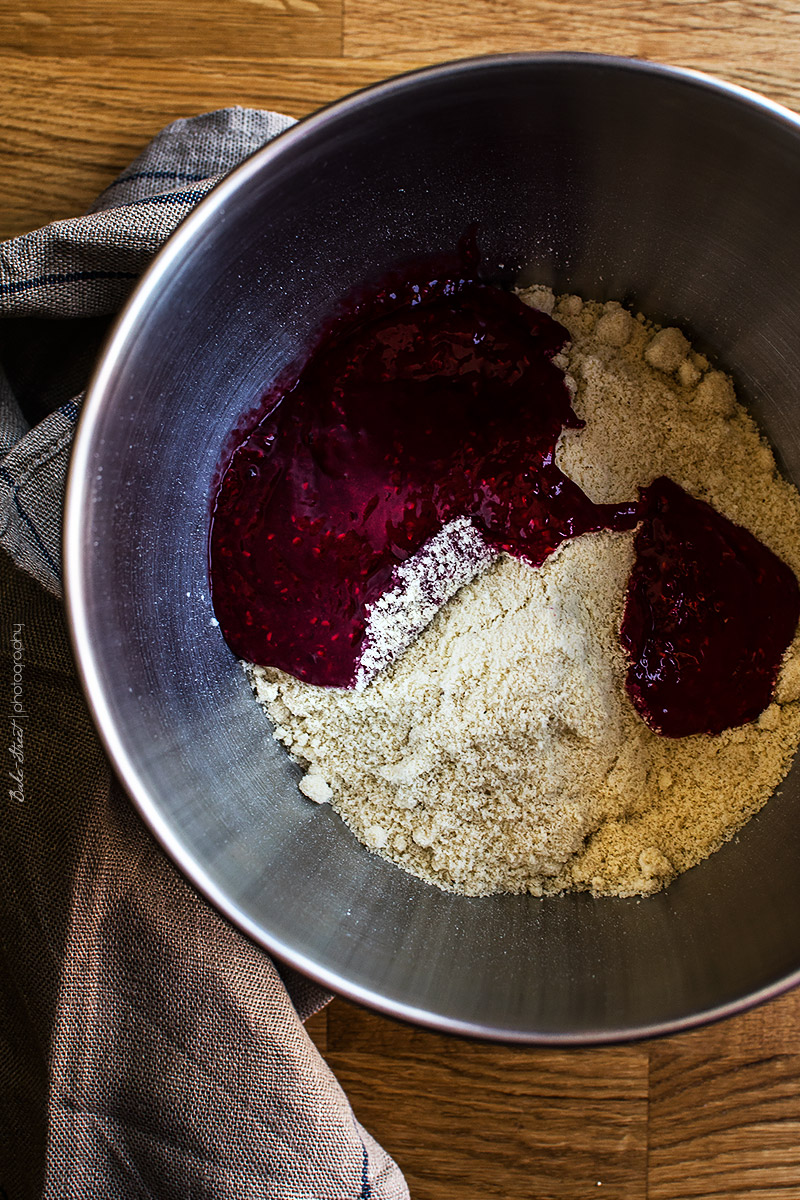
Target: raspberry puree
(710, 612)
(441, 400)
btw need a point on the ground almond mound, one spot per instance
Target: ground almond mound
(500, 752)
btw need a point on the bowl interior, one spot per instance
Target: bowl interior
(604, 177)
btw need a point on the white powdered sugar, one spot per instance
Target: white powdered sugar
(420, 586)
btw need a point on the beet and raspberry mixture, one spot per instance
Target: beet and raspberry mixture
(441, 400)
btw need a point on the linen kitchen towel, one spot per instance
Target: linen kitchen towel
(148, 1048)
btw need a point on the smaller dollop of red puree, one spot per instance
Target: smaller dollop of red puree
(436, 401)
(709, 614)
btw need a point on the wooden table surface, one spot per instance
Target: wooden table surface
(84, 84)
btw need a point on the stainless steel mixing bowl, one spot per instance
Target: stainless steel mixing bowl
(607, 177)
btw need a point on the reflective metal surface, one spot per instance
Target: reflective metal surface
(610, 178)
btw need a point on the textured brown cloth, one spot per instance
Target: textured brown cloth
(148, 1049)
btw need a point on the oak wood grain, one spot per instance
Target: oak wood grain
(723, 1126)
(474, 1120)
(752, 43)
(723, 31)
(153, 28)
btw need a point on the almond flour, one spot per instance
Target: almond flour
(500, 751)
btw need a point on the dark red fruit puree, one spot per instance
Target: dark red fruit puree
(709, 614)
(441, 400)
